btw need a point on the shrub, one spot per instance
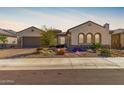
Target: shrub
(105, 52)
(61, 51)
(95, 46)
(98, 46)
(60, 46)
(75, 49)
(79, 49)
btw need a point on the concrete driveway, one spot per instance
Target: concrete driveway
(8, 53)
(61, 63)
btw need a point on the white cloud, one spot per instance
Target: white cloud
(64, 20)
(7, 23)
(60, 20)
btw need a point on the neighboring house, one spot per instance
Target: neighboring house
(11, 38)
(29, 37)
(118, 38)
(86, 34)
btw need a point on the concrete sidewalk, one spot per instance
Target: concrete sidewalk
(61, 63)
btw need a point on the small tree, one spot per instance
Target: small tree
(3, 39)
(48, 37)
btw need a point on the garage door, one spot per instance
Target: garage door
(31, 42)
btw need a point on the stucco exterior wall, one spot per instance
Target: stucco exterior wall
(30, 32)
(90, 28)
(10, 40)
(59, 39)
(122, 40)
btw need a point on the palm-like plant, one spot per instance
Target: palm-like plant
(3, 39)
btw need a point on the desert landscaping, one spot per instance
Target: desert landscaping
(53, 53)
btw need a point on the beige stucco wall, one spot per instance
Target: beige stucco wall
(93, 28)
(122, 40)
(29, 33)
(59, 39)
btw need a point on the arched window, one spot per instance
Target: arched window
(97, 38)
(81, 38)
(89, 38)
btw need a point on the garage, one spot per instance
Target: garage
(31, 42)
(29, 37)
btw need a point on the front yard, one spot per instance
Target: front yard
(48, 52)
(89, 53)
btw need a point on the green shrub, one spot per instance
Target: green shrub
(95, 46)
(105, 52)
(98, 45)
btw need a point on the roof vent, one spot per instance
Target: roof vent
(32, 30)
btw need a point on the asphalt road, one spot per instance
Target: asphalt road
(63, 77)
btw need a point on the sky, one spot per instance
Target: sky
(64, 18)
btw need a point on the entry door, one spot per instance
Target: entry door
(116, 41)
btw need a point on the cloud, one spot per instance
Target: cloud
(63, 19)
(7, 23)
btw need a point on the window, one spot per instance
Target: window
(62, 40)
(89, 38)
(97, 38)
(81, 38)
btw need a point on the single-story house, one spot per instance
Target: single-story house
(86, 34)
(117, 38)
(29, 37)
